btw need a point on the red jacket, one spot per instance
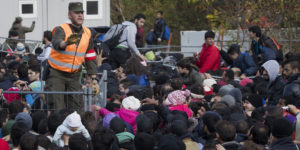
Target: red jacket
(209, 58)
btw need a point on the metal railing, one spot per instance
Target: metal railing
(88, 97)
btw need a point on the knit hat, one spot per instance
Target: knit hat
(281, 128)
(107, 119)
(225, 89)
(11, 97)
(25, 118)
(177, 97)
(170, 142)
(150, 55)
(131, 103)
(237, 94)
(245, 81)
(20, 47)
(209, 82)
(229, 100)
(124, 137)
(74, 120)
(255, 100)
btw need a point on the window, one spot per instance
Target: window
(93, 9)
(27, 8)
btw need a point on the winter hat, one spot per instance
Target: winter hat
(281, 128)
(20, 47)
(107, 119)
(209, 82)
(150, 55)
(170, 142)
(255, 100)
(131, 103)
(225, 89)
(74, 120)
(237, 94)
(229, 100)
(245, 81)
(25, 118)
(11, 97)
(177, 97)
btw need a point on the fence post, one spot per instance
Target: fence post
(85, 99)
(90, 97)
(104, 88)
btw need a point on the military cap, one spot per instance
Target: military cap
(76, 6)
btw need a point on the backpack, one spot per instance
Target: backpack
(111, 38)
(166, 33)
(273, 44)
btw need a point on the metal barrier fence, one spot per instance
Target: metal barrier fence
(88, 97)
(30, 44)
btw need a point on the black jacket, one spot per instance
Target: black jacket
(293, 88)
(159, 28)
(232, 145)
(284, 144)
(275, 90)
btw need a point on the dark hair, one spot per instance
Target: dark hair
(37, 117)
(117, 125)
(234, 48)
(77, 142)
(230, 74)
(178, 127)
(195, 106)
(54, 120)
(28, 142)
(144, 141)
(35, 68)
(256, 30)
(226, 130)
(209, 34)
(134, 66)
(294, 63)
(13, 33)
(13, 65)
(155, 119)
(250, 145)
(242, 127)
(14, 108)
(260, 134)
(17, 130)
(48, 35)
(43, 141)
(3, 116)
(209, 120)
(289, 100)
(23, 71)
(43, 126)
(274, 113)
(161, 12)
(116, 97)
(103, 139)
(184, 63)
(38, 51)
(141, 93)
(176, 83)
(140, 16)
(144, 124)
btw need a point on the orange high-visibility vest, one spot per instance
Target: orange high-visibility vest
(71, 59)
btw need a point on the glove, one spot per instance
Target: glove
(72, 39)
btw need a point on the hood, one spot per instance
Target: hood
(272, 67)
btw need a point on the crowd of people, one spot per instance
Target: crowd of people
(252, 105)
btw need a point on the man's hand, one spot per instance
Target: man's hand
(158, 39)
(66, 138)
(243, 76)
(143, 58)
(100, 59)
(72, 39)
(97, 108)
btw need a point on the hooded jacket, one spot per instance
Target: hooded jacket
(246, 64)
(209, 58)
(276, 82)
(22, 30)
(128, 37)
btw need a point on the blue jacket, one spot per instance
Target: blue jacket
(246, 64)
(268, 54)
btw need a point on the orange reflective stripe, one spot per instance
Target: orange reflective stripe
(72, 57)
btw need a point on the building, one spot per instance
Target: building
(50, 13)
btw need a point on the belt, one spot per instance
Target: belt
(122, 47)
